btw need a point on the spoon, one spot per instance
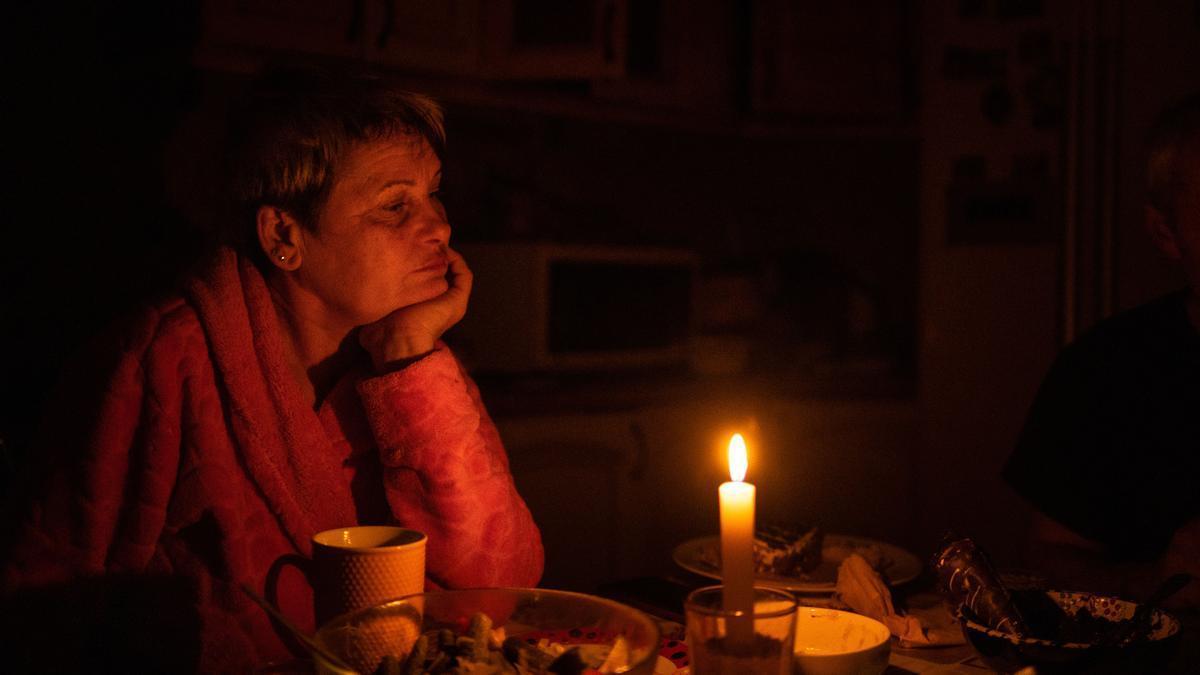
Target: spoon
(300, 635)
(1139, 624)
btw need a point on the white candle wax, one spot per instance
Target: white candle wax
(737, 544)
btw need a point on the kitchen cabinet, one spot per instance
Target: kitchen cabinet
(679, 55)
(315, 27)
(577, 474)
(498, 39)
(550, 39)
(435, 36)
(833, 61)
(615, 492)
(722, 64)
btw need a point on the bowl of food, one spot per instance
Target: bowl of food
(1069, 632)
(501, 630)
(830, 641)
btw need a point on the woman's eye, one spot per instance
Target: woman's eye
(395, 207)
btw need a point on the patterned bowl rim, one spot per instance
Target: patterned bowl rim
(531, 593)
(1170, 623)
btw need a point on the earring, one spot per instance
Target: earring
(283, 258)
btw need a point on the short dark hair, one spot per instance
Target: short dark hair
(1176, 128)
(288, 135)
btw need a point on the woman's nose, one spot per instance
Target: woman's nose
(437, 226)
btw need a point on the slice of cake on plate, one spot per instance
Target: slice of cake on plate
(787, 550)
(781, 550)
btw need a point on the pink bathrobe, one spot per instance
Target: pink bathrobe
(201, 459)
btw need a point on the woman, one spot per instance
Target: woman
(297, 384)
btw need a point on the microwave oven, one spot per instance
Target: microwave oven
(559, 308)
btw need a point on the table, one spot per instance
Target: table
(662, 598)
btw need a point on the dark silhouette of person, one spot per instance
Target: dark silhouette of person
(1110, 453)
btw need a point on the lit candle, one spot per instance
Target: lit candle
(737, 543)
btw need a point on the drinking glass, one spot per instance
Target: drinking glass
(760, 640)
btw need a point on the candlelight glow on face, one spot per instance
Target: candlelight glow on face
(737, 458)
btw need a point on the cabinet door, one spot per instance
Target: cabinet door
(426, 35)
(322, 27)
(552, 39)
(843, 465)
(678, 55)
(830, 61)
(615, 493)
(682, 461)
(573, 473)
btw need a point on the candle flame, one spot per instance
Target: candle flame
(737, 458)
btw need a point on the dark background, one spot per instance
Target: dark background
(926, 199)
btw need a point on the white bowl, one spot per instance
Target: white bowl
(832, 642)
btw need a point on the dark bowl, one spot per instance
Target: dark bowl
(1148, 654)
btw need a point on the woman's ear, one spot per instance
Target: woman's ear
(279, 235)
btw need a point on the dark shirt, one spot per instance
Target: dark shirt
(1111, 447)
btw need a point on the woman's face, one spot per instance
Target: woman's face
(380, 240)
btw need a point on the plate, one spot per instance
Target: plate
(896, 565)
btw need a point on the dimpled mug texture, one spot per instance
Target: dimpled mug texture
(360, 567)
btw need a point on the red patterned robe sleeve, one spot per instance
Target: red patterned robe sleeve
(446, 475)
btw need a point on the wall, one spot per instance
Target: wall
(91, 97)
(616, 491)
(988, 297)
(119, 133)
(122, 155)
(813, 210)
(992, 301)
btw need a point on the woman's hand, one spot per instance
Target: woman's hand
(411, 332)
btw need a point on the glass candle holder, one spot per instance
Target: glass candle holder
(739, 641)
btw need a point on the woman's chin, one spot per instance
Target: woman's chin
(409, 297)
(425, 292)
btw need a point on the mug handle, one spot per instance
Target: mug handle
(271, 592)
